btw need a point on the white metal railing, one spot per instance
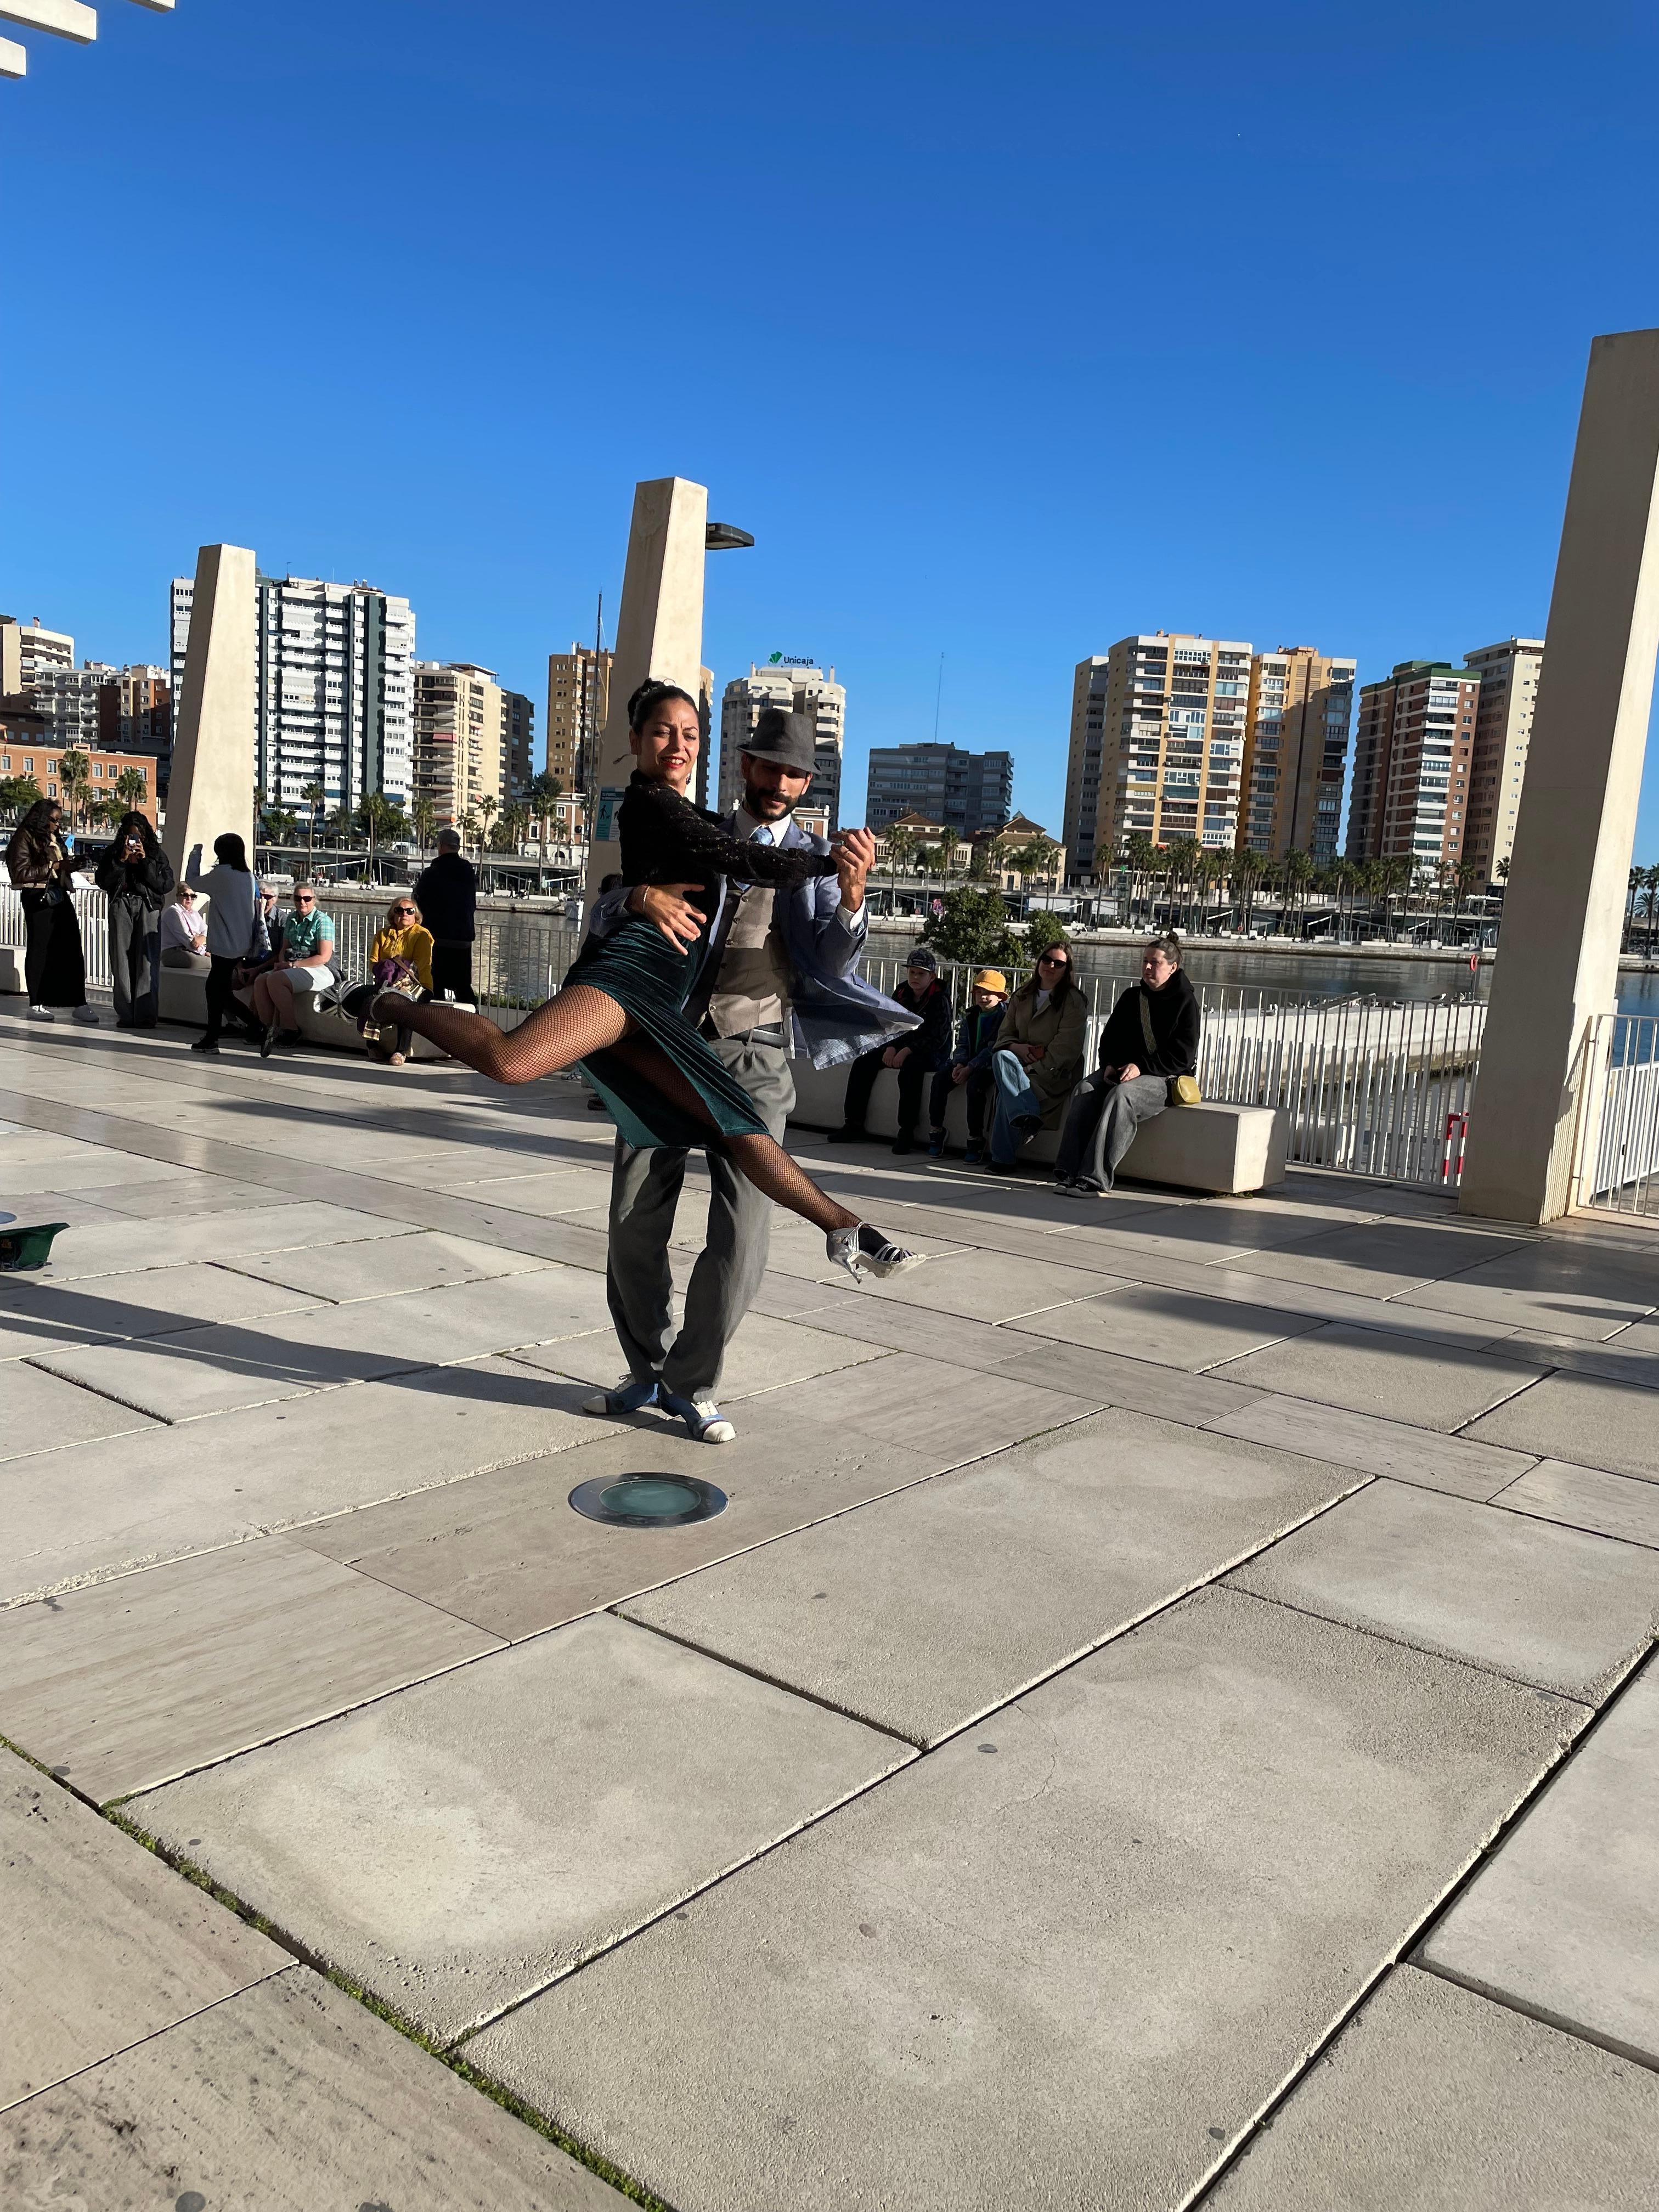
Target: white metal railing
(1367, 1088)
(1617, 1169)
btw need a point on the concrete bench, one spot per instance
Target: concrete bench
(184, 1000)
(1212, 1147)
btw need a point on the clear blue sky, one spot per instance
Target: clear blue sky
(1007, 331)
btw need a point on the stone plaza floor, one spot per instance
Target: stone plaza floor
(1165, 1718)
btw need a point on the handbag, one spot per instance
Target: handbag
(1180, 1089)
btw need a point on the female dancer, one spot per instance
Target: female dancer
(619, 1012)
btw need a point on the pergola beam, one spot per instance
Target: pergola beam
(65, 19)
(14, 59)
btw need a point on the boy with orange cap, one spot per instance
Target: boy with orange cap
(970, 1063)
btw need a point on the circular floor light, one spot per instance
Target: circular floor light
(647, 1501)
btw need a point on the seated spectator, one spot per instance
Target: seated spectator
(302, 968)
(970, 1064)
(402, 949)
(915, 1057)
(1150, 1036)
(1038, 1056)
(184, 934)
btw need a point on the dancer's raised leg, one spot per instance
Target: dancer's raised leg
(579, 1020)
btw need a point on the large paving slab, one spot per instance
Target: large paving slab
(1380, 1259)
(288, 2098)
(1379, 1446)
(157, 1493)
(120, 1248)
(1565, 1920)
(157, 1302)
(1584, 1497)
(104, 1944)
(923, 1610)
(765, 1354)
(423, 1261)
(129, 1683)
(458, 1845)
(1431, 1386)
(1551, 1286)
(505, 1551)
(993, 1286)
(1434, 2098)
(1062, 1958)
(44, 1413)
(1172, 1328)
(1554, 1607)
(1584, 1419)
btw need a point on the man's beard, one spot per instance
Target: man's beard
(761, 805)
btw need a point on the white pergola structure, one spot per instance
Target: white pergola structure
(65, 19)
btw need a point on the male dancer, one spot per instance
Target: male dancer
(778, 967)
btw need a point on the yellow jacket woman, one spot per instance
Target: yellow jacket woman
(403, 936)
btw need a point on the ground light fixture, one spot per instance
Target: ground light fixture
(647, 1501)
(724, 538)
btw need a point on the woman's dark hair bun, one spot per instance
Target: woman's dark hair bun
(650, 694)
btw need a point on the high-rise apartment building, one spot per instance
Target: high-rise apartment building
(1296, 753)
(68, 699)
(578, 701)
(798, 689)
(1157, 744)
(1412, 762)
(26, 650)
(473, 740)
(1509, 675)
(135, 714)
(969, 792)
(335, 688)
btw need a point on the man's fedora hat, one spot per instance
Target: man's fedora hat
(789, 739)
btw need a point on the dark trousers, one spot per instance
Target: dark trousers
(861, 1081)
(223, 1004)
(978, 1088)
(1101, 1124)
(135, 946)
(54, 969)
(452, 970)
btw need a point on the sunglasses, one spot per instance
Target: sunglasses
(403, 909)
(1054, 960)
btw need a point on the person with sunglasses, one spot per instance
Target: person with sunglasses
(303, 967)
(402, 948)
(1038, 1056)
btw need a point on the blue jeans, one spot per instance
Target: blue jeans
(1015, 1099)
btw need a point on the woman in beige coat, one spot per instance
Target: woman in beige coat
(1038, 1057)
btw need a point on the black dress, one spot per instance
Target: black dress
(667, 840)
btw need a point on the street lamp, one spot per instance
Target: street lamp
(724, 538)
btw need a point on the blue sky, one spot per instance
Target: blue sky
(1006, 331)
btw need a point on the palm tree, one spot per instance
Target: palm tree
(316, 799)
(488, 808)
(544, 790)
(900, 846)
(1298, 874)
(423, 818)
(1650, 905)
(1138, 854)
(74, 774)
(948, 840)
(131, 787)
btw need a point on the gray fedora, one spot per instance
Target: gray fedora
(789, 739)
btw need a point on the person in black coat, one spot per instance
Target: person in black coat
(134, 875)
(447, 893)
(915, 1057)
(1150, 1036)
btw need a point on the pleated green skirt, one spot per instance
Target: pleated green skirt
(649, 979)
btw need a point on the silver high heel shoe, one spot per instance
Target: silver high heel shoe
(864, 1251)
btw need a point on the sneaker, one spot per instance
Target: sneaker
(998, 1167)
(1062, 1182)
(268, 1037)
(205, 1044)
(705, 1423)
(42, 1014)
(1026, 1127)
(846, 1136)
(631, 1395)
(975, 1155)
(863, 1251)
(904, 1142)
(87, 1015)
(936, 1147)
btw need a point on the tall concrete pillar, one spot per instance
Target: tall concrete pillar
(1558, 960)
(659, 633)
(211, 787)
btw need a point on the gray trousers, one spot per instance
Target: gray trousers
(1100, 1126)
(645, 1191)
(135, 948)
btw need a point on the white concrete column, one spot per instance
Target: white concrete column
(1558, 959)
(659, 633)
(213, 736)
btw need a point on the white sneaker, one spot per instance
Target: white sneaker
(42, 1014)
(705, 1423)
(88, 1015)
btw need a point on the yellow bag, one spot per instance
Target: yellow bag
(1182, 1090)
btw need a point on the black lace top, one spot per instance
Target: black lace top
(667, 840)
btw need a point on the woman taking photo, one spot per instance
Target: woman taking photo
(619, 1014)
(54, 967)
(134, 875)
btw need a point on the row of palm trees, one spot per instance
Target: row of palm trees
(906, 851)
(1191, 881)
(1643, 898)
(85, 806)
(378, 820)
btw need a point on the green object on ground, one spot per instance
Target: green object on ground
(27, 1248)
